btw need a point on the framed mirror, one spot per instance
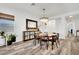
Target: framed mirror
(31, 24)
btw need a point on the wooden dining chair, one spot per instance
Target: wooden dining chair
(57, 39)
(45, 40)
(36, 37)
(52, 40)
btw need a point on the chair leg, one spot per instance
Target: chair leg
(56, 44)
(47, 45)
(52, 44)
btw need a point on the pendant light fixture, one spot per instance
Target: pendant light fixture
(44, 18)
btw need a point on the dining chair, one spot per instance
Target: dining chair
(57, 39)
(52, 39)
(45, 40)
(36, 37)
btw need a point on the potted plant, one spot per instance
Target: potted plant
(13, 38)
(9, 42)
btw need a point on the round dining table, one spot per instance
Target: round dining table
(46, 38)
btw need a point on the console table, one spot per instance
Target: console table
(28, 35)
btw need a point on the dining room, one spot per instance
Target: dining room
(39, 28)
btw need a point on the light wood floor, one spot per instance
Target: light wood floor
(69, 46)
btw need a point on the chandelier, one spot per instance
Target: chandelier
(44, 18)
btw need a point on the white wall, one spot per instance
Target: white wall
(62, 24)
(20, 21)
(50, 27)
(61, 27)
(76, 22)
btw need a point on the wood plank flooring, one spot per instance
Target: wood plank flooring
(69, 46)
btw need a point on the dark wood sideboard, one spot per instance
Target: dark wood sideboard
(28, 35)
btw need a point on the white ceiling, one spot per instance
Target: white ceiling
(52, 9)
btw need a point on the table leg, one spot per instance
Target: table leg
(38, 40)
(40, 44)
(34, 42)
